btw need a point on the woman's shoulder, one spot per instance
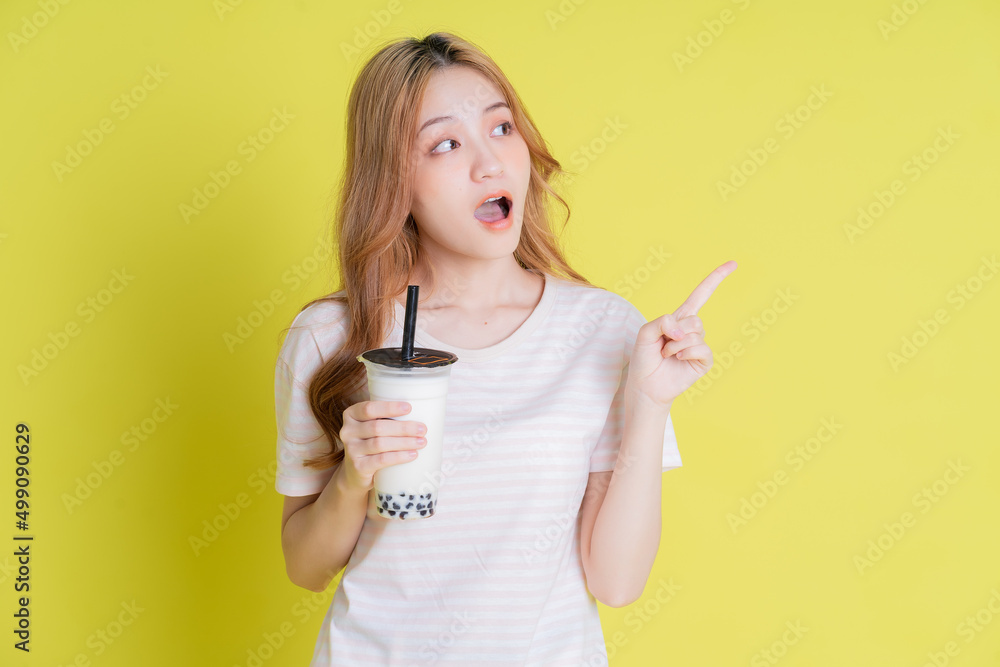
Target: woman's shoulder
(324, 313)
(597, 303)
(318, 327)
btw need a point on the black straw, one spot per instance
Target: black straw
(409, 321)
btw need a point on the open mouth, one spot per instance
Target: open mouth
(493, 209)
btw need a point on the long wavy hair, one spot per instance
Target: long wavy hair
(376, 238)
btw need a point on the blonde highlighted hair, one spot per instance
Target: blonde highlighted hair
(376, 238)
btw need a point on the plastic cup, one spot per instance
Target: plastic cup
(409, 490)
(419, 376)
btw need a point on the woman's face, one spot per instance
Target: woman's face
(462, 160)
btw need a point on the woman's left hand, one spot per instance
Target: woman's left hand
(670, 353)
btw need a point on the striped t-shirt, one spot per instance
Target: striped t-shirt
(495, 577)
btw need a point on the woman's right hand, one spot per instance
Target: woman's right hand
(372, 440)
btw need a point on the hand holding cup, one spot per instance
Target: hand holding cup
(374, 440)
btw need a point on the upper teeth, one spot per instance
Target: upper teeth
(494, 198)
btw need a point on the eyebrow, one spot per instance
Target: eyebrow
(441, 119)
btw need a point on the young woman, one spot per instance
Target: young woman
(558, 419)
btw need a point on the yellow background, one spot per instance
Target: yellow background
(653, 182)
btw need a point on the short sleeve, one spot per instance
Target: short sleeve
(300, 437)
(605, 453)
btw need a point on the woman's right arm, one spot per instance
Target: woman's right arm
(319, 531)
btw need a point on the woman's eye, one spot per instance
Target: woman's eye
(510, 128)
(435, 149)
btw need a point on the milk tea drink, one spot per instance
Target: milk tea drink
(409, 490)
(420, 377)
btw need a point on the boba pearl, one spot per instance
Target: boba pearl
(406, 505)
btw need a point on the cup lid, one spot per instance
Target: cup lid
(423, 357)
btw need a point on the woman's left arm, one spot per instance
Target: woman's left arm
(620, 511)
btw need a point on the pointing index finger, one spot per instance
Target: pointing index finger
(699, 296)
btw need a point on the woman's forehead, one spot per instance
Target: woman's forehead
(457, 91)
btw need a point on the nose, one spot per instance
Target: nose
(487, 162)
